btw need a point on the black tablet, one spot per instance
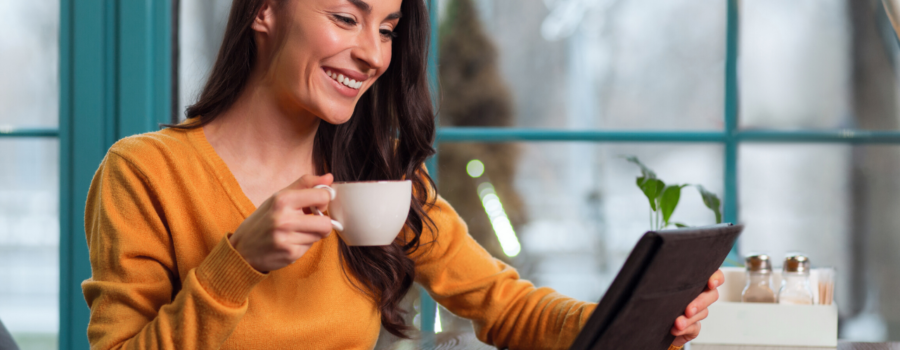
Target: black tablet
(665, 271)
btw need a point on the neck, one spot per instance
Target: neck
(257, 130)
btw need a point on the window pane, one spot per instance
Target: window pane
(647, 64)
(838, 204)
(795, 64)
(575, 207)
(201, 27)
(29, 89)
(29, 240)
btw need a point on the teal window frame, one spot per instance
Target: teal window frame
(109, 70)
(115, 80)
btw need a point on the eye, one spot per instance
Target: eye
(388, 34)
(346, 20)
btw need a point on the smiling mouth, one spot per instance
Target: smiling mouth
(340, 78)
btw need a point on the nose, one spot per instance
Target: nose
(369, 49)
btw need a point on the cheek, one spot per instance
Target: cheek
(306, 46)
(324, 41)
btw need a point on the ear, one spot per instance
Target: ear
(264, 22)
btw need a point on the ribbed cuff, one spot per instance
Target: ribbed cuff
(226, 275)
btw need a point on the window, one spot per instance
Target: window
(29, 179)
(567, 87)
(562, 89)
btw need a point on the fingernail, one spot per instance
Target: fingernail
(693, 311)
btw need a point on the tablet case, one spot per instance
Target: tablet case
(665, 271)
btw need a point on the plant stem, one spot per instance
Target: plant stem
(658, 216)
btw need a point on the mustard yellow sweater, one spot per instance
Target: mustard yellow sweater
(158, 214)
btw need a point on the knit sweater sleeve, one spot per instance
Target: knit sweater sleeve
(136, 297)
(505, 310)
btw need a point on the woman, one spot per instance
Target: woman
(200, 234)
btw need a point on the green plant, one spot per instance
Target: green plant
(664, 198)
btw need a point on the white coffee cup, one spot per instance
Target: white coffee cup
(369, 213)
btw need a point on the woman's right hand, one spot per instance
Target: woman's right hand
(279, 232)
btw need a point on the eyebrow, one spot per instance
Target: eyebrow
(362, 5)
(395, 15)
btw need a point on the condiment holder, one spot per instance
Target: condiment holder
(733, 324)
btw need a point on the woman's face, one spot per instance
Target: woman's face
(332, 52)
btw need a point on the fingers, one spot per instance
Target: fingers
(687, 327)
(291, 246)
(293, 238)
(703, 301)
(687, 334)
(716, 280)
(310, 181)
(682, 322)
(306, 225)
(297, 199)
(296, 195)
(279, 232)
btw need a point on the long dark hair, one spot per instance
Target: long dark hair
(388, 137)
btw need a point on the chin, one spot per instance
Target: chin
(336, 117)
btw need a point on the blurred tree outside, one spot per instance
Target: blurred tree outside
(473, 93)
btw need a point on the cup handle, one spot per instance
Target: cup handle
(336, 225)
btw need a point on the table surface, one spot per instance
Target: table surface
(467, 340)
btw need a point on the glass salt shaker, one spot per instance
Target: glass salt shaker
(795, 281)
(759, 280)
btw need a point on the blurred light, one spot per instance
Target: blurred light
(475, 168)
(499, 220)
(437, 319)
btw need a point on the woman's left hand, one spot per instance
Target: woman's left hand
(687, 326)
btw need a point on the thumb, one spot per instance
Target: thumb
(310, 181)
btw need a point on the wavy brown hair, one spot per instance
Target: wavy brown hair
(388, 137)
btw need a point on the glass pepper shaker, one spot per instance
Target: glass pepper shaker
(759, 280)
(795, 281)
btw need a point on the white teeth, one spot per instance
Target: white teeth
(353, 84)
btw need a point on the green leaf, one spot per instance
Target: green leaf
(669, 200)
(652, 188)
(712, 202)
(645, 171)
(680, 225)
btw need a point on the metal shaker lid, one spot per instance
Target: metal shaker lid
(758, 263)
(796, 263)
